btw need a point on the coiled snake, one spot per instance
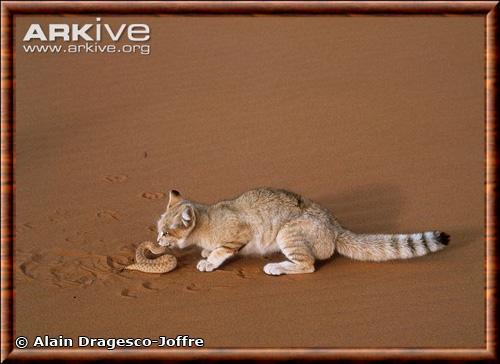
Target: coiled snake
(162, 264)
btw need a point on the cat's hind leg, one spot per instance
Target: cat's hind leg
(294, 246)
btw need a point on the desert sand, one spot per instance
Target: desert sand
(379, 119)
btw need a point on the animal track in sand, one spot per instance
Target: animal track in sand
(241, 273)
(127, 293)
(28, 269)
(116, 179)
(153, 195)
(77, 238)
(150, 286)
(71, 268)
(237, 274)
(59, 215)
(108, 214)
(192, 287)
(21, 228)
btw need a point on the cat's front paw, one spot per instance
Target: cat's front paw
(205, 253)
(205, 266)
(273, 269)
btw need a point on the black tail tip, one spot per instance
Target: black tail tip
(443, 238)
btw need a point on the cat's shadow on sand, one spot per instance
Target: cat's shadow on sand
(373, 208)
(376, 209)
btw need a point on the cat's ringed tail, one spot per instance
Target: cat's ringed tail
(162, 264)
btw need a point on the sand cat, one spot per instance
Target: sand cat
(267, 220)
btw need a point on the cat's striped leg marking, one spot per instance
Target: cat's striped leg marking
(295, 247)
(218, 256)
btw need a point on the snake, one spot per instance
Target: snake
(162, 264)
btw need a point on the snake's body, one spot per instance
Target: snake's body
(162, 264)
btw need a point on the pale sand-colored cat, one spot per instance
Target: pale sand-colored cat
(267, 220)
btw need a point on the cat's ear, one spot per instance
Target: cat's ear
(187, 216)
(174, 197)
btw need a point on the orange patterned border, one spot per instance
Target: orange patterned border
(487, 9)
(491, 177)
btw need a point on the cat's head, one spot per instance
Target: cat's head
(177, 222)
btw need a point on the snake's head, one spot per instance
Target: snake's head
(177, 222)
